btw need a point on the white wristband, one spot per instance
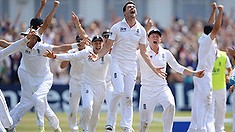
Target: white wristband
(74, 45)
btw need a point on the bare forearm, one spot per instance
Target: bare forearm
(188, 72)
(212, 17)
(80, 30)
(4, 43)
(39, 13)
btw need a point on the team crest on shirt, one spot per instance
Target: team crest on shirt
(137, 32)
(122, 29)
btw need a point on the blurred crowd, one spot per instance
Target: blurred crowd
(180, 37)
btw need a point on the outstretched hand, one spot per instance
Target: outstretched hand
(93, 57)
(75, 18)
(49, 54)
(231, 89)
(200, 73)
(160, 73)
(231, 51)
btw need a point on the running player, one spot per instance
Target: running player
(126, 37)
(154, 89)
(93, 82)
(5, 118)
(203, 86)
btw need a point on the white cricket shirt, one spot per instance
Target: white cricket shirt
(206, 53)
(94, 72)
(76, 70)
(33, 61)
(127, 40)
(164, 56)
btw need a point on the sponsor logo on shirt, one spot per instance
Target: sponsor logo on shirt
(122, 29)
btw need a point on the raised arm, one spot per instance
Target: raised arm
(49, 17)
(218, 22)
(39, 13)
(78, 25)
(148, 25)
(212, 16)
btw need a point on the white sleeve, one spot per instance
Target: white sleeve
(71, 56)
(12, 48)
(228, 64)
(113, 32)
(174, 64)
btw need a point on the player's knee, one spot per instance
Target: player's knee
(128, 100)
(87, 111)
(143, 126)
(171, 107)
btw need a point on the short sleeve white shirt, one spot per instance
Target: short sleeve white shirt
(94, 72)
(33, 61)
(164, 57)
(126, 40)
(206, 53)
(76, 70)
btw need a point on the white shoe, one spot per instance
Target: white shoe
(109, 128)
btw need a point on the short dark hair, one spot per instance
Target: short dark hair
(208, 28)
(35, 22)
(128, 2)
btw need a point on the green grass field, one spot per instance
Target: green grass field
(28, 123)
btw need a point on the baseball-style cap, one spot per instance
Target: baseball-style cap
(155, 31)
(106, 33)
(36, 22)
(97, 38)
(78, 38)
(36, 33)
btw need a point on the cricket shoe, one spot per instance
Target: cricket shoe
(109, 128)
(11, 129)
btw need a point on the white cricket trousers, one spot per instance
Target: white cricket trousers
(123, 77)
(34, 93)
(74, 99)
(108, 96)
(5, 118)
(202, 101)
(92, 100)
(150, 96)
(217, 111)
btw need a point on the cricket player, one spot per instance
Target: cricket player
(221, 73)
(36, 80)
(93, 82)
(76, 74)
(154, 89)
(203, 86)
(126, 37)
(5, 118)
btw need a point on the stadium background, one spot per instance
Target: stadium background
(180, 21)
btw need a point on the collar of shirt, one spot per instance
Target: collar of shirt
(136, 26)
(160, 50)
